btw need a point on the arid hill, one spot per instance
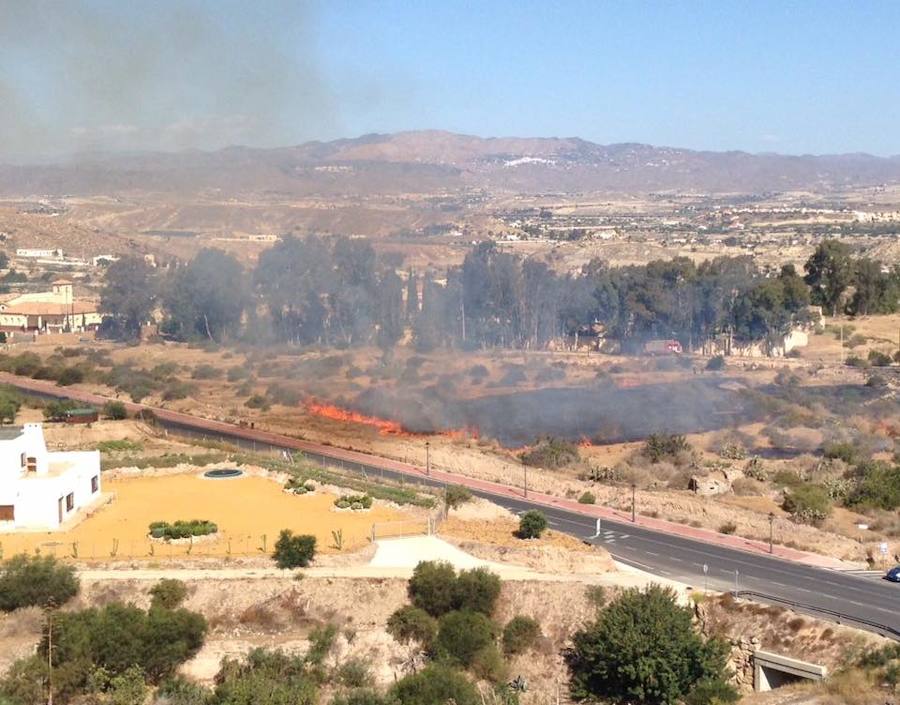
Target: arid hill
(434, 161)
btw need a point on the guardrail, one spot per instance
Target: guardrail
(839, 617)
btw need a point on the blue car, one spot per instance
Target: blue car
(893, 574)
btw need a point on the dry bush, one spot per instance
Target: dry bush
(852, 687)
(259, 616)
(28, 620)
(796, 624)
(680, 479)
(748, 487)
(111, 592)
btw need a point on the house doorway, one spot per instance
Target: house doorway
(59, 506)
(7, 512)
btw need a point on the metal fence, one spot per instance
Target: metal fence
(398, 529)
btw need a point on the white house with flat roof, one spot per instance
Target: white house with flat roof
(40, 489)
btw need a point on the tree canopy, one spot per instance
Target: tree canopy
(643, 648)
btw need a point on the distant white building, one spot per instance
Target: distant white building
(40, 489)
(35, 253)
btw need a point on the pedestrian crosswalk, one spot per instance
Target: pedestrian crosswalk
(612, 536)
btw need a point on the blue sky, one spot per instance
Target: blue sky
(794, 77)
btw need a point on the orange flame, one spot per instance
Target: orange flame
(384, 426)
(461, 434)
(336, 413)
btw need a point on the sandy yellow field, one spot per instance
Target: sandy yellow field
(249, 511)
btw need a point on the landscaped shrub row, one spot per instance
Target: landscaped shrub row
(297, 486)
(356, 502)
(182, 529)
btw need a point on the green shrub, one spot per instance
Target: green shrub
(596, 595)
(10, 403)
(807, 504)
(436, 684)
(354, 673)
(177, 390)
(119, 637)
(879, 359)
(354, 501)
(532, 524)
(437, 589)
(257, 402)
(715, 691)
(321, 643)
(662, 446)
(206, 371)
(115, 411)
(432, 587)
(69, 376)
(787, 478)
(168, 594)
(854, 361)
(729, 527)
(455, 496)
(847, 452)
(488, 665)
(412, 624)
(643, 648)
(56, 410)
(182, 529)
(587, 498)
(551, 453)
(461, 635)
(716, 363)
(476, 590)
(876, 381)
(121, 445)
(237, 373)
(294, 551)
(878, 486)
(35, 581)
(520, 634)
(265, 678)
(359, 696)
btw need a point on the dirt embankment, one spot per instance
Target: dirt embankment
(749, 626)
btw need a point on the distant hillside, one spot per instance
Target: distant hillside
(430, 161)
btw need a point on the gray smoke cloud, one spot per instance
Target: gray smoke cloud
(93, 74)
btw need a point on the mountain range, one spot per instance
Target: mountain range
(440, 162)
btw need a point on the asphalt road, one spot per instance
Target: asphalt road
(858, 599)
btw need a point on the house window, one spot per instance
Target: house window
(70, 502)
(32, 464)
(95, 484)
(7, 512)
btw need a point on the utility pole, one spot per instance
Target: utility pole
(842, 343)
(50, 654)
(771, 531)
(525, 470)
(427, 458)
(633, 488)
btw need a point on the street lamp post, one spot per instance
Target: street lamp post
(771, 531)
(525, 472)
(427, 457)
(633, 487)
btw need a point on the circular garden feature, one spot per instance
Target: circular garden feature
(223, 473)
